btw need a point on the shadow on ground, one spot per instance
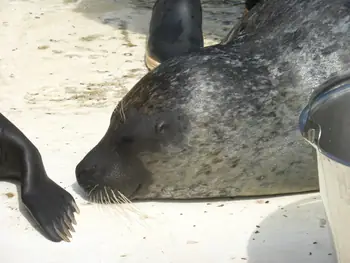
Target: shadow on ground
(134, 15)
(304, 219)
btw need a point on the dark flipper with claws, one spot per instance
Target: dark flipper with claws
(50, 205)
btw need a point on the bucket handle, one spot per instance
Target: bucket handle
(309, 129)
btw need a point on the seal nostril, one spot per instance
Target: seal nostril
(85, 173)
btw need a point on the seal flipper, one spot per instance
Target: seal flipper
(50, 205)
(238, 28)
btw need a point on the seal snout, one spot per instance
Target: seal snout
(84, 173)
(103, 174)
(87, 174)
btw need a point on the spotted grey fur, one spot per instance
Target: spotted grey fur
(222, 122)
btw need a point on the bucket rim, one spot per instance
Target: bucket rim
(323, 93)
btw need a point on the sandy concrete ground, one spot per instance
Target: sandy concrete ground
(63, 68)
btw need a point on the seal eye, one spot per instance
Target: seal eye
(161, 127)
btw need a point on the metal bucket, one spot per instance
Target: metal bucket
(325, 123)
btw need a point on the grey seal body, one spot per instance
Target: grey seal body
(223, 122)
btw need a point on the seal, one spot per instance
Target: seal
(50, 205)
(223, 121)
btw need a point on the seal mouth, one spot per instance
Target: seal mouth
(107, 195)
(136, 191)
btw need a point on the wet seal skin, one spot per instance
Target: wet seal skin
(223, 122)
(50, 205)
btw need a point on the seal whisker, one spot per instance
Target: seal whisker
(134, 209)
(115, 199)
(123, 202)
(101, 198)
(90, 192)
(131, 205)
(92, 198)
(97, 198)
(124, 197)
(92, 195)
(117, 207)
(107, 196)
(105, 199)
(119, 202)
